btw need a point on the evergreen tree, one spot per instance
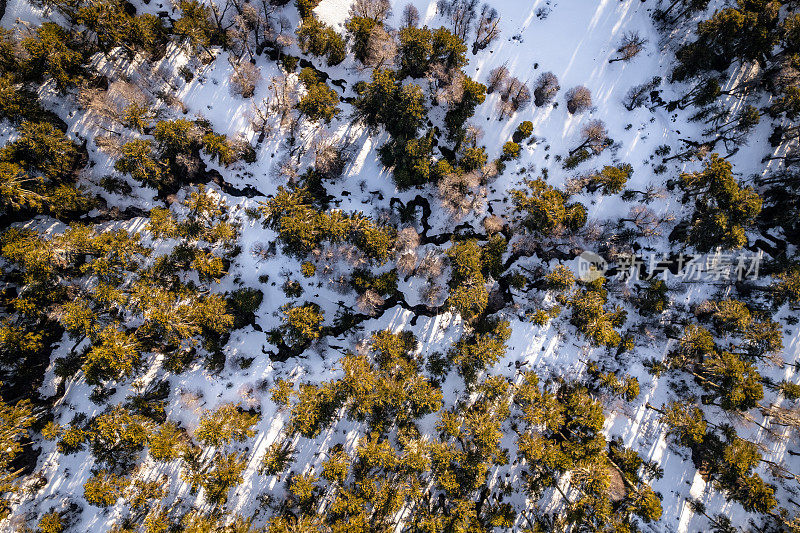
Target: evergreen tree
(320, 102)
(415, 50)
(318, 39)
(481, 349)
(176, 137)
(410, 160)
(194, 25)
(544, 209)
(473, 94)
(746, 32)
(306, 7)
(114, 357)
(14, 423)
(227, 423)
(104, 488)
(138, 161)
(468, 294)
(302, 324)
(723, 208)
(53, 52)
(611, 179)
(359, 31)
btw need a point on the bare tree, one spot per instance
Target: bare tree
(452, 94)
(650, 193)
(110, 145)
(123, 103)
(497, 78)
(472, 135)
(595, 137)
(251, 27)
(461, 13)
(511, 86)
(521, 97)
(431, 265)
(260, 116)
(514, 96)
(330, 156)
(244, 78)
(369, 302)
(372, 9)
(284, 35)
(407, 240)
(488, 28)
(221, 14)
(461, 193)
(493, 224)
(407, 263)
(410, 17)
(632, 45)
(381, 48)
(432, 294)
(637, 95)
(648, 223)
(284, 98)
(505, 108)
(546, 89)
(579, 99)
(488, 172)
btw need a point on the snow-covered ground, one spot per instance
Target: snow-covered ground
(572, 38)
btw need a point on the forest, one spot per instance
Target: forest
(355, 266)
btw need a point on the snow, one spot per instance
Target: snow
(572, 38)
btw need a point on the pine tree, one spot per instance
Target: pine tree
(194, 25)
(415, 50)
(318, 39)
(219, 147)
(302, 324)
(226, 424)
(468, 294)
(176, 137)
(306, 7)
(359, 30)
(14, 423)
(51, 522)
(138, 161)
(115, 356)
(685, 422)
(481, 349)
(44, 148)
(611, 179)
(53, 52)
(167, 442)
(103, 489)
(320, 102)
(723, 208)
(224, 474)
(410, 160)
(544, 209)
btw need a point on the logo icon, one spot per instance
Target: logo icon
(591, 266)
